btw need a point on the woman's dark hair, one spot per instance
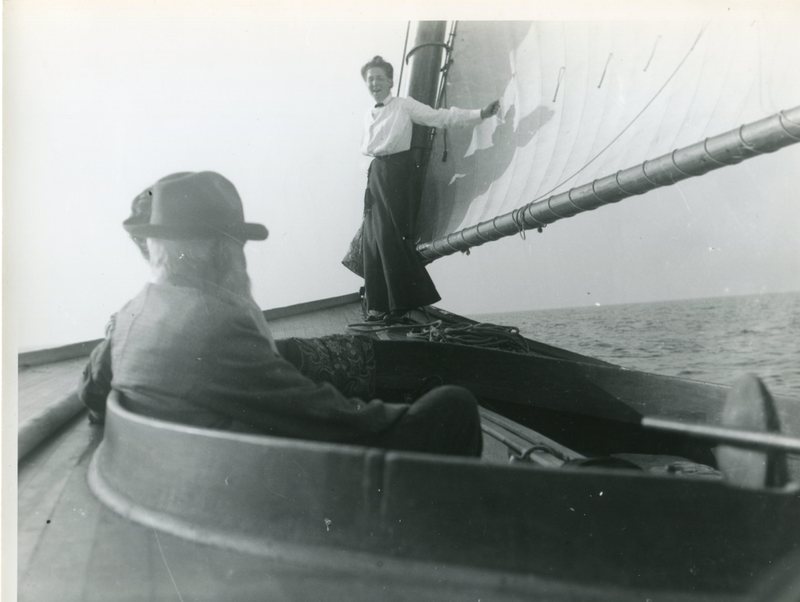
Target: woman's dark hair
(378, 61)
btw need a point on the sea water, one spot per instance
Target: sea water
(713, 340)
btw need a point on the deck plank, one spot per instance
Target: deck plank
(40, 386)
(56, 514)
(90, 554)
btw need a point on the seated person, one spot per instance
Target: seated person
(193, 346)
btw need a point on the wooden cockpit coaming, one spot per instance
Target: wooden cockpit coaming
(594, 408)
(439, 528)
(268, 496)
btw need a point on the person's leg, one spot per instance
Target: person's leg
(407, 284)
(444, 420)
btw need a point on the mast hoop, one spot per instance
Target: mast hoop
(792, 121)
(550, 209)
(769, 134)
(449, 244)
(463, 236)
(712, 157)
(437, 244)
(627, 192)
(781, 117)
(745, 143)
(676, 166)
(597, 196)
(494, 226)
(646, 176)
(571, 202)
(437, 44)
(479, 235)
(516, 217)
(538, 223)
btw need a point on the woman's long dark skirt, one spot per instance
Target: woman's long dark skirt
(394, 276)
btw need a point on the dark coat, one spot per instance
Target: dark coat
(198, 357)
(394, 275)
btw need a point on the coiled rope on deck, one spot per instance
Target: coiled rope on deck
(479, 334)
(473, 334)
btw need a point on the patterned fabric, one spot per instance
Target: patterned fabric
(354, 258)
(347, 362)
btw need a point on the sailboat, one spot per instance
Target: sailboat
(597, 482)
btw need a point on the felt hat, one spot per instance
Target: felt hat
(191, 205)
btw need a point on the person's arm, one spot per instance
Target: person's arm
(95, 381)
(422, 114)
(252, 384)
(491, 109)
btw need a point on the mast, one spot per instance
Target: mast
(764, 136)
(423, 83)
(424, 75)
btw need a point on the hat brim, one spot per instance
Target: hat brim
(240, 231)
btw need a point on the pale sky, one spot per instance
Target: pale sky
(102, 99)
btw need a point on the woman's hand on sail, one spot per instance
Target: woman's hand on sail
(491, 109)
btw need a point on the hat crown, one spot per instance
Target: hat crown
(201, 198)
(195, 205)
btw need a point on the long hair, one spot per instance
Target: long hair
(218, 261)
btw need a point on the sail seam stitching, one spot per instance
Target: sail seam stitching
(628, 126)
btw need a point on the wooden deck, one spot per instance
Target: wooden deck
(69, 542)
(41, 386)
(57, 515)
(42, 382)
(67, 539)
(72, 548)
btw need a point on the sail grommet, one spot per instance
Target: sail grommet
(426, 45)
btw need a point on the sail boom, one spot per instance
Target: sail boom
(763, 136)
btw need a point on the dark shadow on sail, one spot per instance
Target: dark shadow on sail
(484, 66)
(477, 172)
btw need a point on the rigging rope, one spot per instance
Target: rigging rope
(403, 62)
(628, 126)
(478, 334)
(484, 335)
(441, 95)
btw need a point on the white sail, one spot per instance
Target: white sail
(584, 100)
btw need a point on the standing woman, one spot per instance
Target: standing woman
(394, 276)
